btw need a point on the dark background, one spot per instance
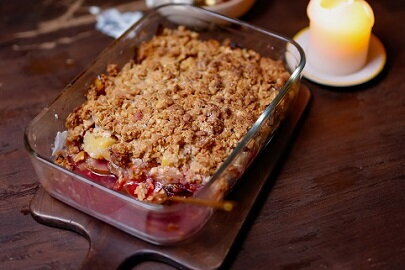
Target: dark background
(338, 200)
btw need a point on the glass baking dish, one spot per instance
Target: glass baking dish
(161, 224)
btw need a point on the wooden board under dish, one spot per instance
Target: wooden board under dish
(111, 248)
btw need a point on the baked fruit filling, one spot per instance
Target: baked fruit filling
(162, 124)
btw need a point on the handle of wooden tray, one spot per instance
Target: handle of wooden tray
(115, 253)
(109, 247)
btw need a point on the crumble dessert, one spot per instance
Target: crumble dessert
(164, 123)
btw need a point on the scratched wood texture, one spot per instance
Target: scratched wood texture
(339, 198)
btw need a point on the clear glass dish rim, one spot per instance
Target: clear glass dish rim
(251, 132)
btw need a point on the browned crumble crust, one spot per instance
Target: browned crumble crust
(181, 106)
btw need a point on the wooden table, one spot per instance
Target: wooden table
(339, 198)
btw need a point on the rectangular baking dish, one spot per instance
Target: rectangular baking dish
(161, 224)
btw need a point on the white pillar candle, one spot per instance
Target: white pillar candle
(339, 35)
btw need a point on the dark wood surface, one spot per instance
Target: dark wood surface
(339, 198)
(207, 249)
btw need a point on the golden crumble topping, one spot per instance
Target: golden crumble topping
(178, 109)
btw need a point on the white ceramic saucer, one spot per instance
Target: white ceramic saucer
(375, 63)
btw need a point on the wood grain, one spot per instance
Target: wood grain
(339, 198)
